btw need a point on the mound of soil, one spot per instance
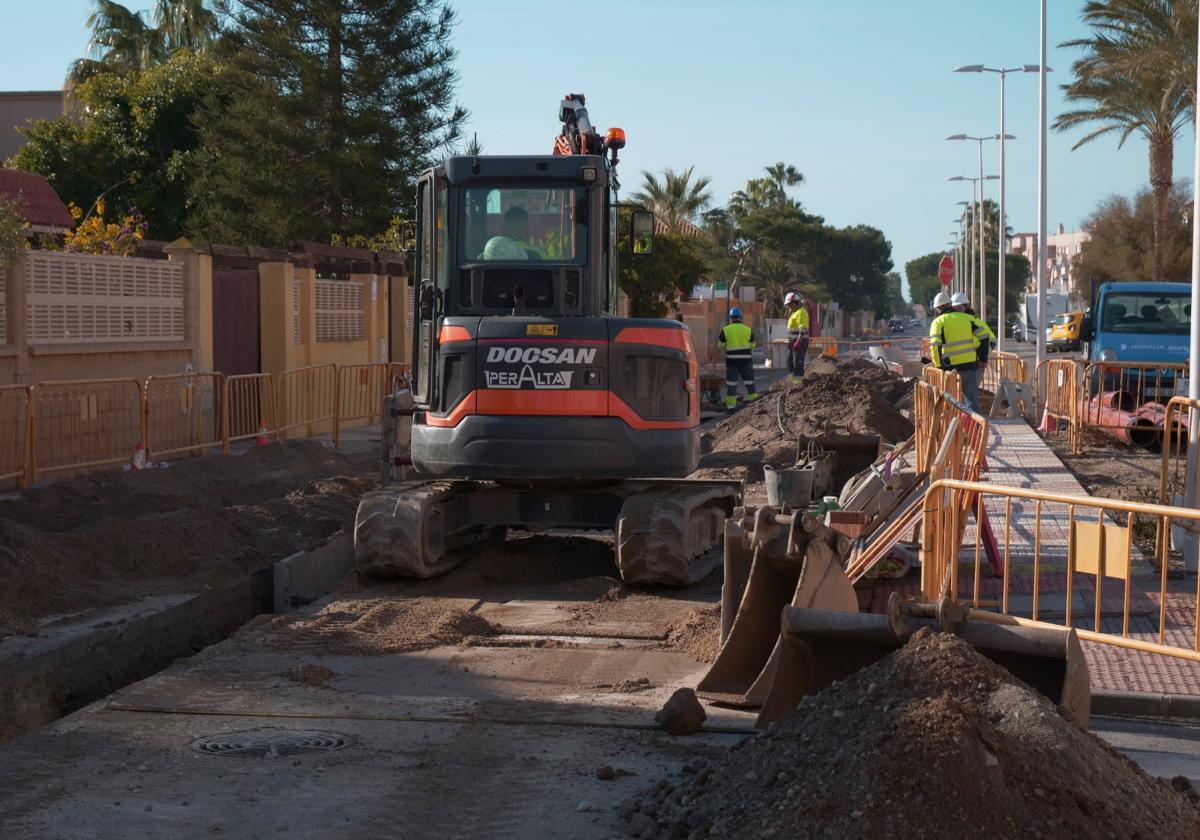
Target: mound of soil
(934, 742)
(113, 537)
(835, 397)
(698, 633)
(379, 625)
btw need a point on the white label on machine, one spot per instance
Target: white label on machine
(1060, 378)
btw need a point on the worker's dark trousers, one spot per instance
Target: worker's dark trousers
(739, 370)
(796, 356)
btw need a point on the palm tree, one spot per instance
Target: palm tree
(676, 199)
(123, 42)
(781, 176)
(770, 191)
(1120, 92)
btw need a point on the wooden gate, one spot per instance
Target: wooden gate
(235, 321)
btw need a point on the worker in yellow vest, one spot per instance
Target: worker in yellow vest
(797, 326)
(954, 346)
(983, 332)
(737, 341)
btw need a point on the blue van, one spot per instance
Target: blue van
(1140, 322)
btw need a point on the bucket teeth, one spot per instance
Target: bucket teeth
(795, 561)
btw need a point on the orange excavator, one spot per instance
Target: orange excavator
(534, 405)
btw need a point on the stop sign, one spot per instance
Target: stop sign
(946, 270)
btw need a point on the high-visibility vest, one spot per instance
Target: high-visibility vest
(952, 340)
(798, 320)
(982, 330)
(737, 340)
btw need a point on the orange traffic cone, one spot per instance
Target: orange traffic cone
(262, 439)
(1049, 425)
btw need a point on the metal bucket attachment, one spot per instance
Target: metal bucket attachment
(821, 646)
(789, 488)
(794, 560)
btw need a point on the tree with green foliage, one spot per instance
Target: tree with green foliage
(856, 267)
(1122, 240)
(328, 111)
(131, 139)
(922, 276)
(12, 230)
(770, 191)
(1119, 92)
(124, 42)
(677, 199)
(653, 281)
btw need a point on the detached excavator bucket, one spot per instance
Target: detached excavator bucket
(822, 646)
(793, 560)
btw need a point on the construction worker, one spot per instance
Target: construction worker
(954, 346)
(514, 244)
(797, 325)
(737, 341)
(983, 332)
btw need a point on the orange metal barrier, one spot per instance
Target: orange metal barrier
(183, 414)
(83, 423)
(308, 398)
(1084, 548)
(1127, 400)
(360, 393)
(1007, 366)
(1174, 449)
(14, 426)
(943, 380)
(249, 407)
(1061, 378)
(822, 346)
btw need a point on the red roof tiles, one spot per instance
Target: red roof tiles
(41, 205)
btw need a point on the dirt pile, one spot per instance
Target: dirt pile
(698, 633)
(113, 537)
(834, 397)
(934, 742)
(378, 626)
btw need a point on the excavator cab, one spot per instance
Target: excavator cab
(535, 405)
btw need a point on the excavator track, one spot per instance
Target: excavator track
(666, 536)
(665, 530)
(400, 531)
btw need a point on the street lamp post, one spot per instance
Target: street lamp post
(1003, 239)
(977, 278)
(982, 287)
(1041, 243)
(962, 235)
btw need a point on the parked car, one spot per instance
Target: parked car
(895, 326)
(1064, 335)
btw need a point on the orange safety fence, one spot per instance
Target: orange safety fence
(1128, 400)
(1003, 366)
(943, 380)
(308, 399)
(249, 407)
(1068, 561)
(360, 393)
(183, 414)
(14, 426)
(84, 423)
(1061, 405)
(1173, 475)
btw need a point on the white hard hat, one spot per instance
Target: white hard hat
(791, 297)
(941, 299)
(960, 299)
(503, 248)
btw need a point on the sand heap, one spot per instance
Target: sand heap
(850, 396)
(934, 741)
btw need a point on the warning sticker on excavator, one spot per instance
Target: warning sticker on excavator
(541, 329)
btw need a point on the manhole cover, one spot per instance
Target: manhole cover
(258, 743)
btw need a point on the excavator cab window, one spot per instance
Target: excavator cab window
(524, 224)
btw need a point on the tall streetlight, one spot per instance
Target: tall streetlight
(1003, 245)
(1041, 243)
(1193, 455)
(958, 236)
(962, 236)
(977, 281)
(982, 252)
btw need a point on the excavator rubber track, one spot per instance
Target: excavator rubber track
(666, 529)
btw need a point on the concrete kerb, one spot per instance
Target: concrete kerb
(308, 575)
(1145, 704)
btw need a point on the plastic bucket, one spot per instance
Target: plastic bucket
(788, 488)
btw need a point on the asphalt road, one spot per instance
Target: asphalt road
(1161, 748)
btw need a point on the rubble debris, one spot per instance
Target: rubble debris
(834, 397)
(316, 675)
(933, 741)
(682, 714)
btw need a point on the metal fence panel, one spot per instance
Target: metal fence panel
(84, 423)
(250, 407)
(14, 433)
(183, 414)
(307, 398)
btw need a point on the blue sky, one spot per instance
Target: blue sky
(858, 94)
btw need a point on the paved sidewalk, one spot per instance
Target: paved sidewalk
(1036, 536)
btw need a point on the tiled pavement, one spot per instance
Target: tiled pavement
(1018, 457)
